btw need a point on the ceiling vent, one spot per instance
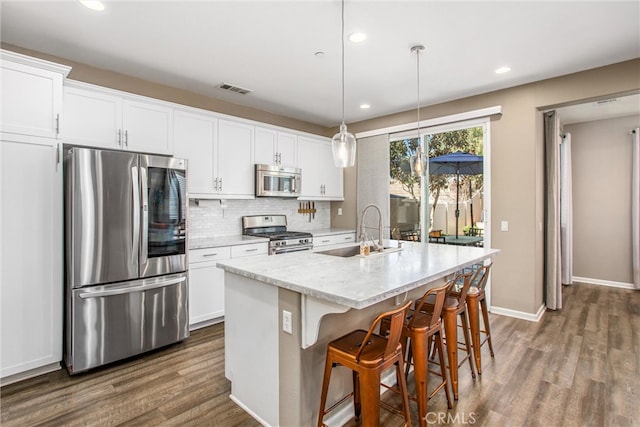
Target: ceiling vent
(233, 88)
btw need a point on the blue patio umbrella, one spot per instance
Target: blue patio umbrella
(458, 163)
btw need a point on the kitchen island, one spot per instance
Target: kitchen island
(281, 311)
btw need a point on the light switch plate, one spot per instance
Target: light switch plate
(504, 226)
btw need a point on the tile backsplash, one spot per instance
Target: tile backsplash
(224, 217)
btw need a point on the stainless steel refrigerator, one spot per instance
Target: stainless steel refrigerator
(126, 280)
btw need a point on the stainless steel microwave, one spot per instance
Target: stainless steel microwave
(276, 181)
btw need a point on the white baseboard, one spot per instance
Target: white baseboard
(248, 411)
(602, 282)
(519, 314)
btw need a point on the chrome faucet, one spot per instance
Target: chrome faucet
(379, 246)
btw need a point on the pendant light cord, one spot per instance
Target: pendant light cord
(342, 61)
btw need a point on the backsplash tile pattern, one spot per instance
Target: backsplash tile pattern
(224, 217)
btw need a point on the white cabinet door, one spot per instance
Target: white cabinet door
(31, 262)
(114, 120)
(275, 148)
(148, 127)
(195, 139)
(308, 161)
(92, 118)
(332, 177)
(266, 146)
(235, 160)
(31, 99)
(206, 284)
(321, 180)
(287, 150)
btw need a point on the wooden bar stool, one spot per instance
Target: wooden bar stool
(368, 355)
(476, 297)
(455, 305)
(418, 332)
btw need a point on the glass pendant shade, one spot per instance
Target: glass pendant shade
(418, 163)
(343, 145)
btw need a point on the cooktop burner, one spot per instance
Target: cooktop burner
(279, 235)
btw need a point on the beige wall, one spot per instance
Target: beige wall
(601, 172)
(88, 74)
(515, 145)
(517, 169)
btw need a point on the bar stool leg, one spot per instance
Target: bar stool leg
(485, 318)
(474, 323)
(421, 375)
(467, 341)
(404, 392)
(357, 408)
(440, 348)
(451, 332)
(370, 397)
(325, 387)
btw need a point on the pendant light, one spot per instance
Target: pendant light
(343, 144)
(418, 161)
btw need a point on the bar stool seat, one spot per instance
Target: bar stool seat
(368, 355)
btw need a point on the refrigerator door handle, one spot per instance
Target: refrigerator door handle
(130, 289)
(144, 184)
(135, 241)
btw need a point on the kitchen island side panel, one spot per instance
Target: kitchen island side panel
(251, 346)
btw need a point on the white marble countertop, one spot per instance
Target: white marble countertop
(358, 282)
(216, 242)
(331, 231)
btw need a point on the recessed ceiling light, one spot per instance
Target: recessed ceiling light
(93, 4)
(503, 70)
(357, 37)
(365, 106)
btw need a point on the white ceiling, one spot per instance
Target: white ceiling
(269, 46)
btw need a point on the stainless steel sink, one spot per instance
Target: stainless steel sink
(350, 251)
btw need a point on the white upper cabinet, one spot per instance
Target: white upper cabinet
(275, 148)
(105, 118)
(321, 180)
(220, 155)
(195, 139)
(236, 172)
(31, 95)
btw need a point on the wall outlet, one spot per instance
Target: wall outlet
(286, 322)
(339, 211)
(504, 226)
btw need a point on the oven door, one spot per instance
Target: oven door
(163, 188)
(285, 250)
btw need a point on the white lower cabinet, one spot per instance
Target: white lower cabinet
(206, 281)
(333, 239)
(31, 289)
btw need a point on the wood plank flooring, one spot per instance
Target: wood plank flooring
(577, 367)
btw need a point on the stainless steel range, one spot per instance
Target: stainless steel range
(274, 227)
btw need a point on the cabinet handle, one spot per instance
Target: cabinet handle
(275, 158)
(206, 255)
(58, 154)
(220, 184)
(126, 138)
(119, 138)
(215, 184)
(251, 250)
(57, 124)
(348, 238)
(325, 241)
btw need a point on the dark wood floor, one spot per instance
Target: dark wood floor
(577, 367)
